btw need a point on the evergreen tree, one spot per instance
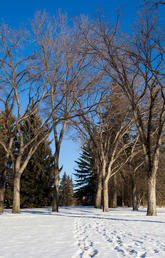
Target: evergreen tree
(66, 193)
(86, 178)
(37, 179)
(7, 129)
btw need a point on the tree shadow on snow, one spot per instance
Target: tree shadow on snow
(100, 217)
(66, 212)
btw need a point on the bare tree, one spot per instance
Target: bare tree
(21, 98)
(149, 111)
(67, 74)
(154, 3)
(138, 69)
(132, 171)
(106, 128)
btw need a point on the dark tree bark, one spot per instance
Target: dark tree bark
(55, 204)
(134, 194)
(2, 189)
(98, 198)
(114, 195)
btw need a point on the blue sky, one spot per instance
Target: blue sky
(16, 13)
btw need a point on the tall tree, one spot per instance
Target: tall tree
(138, 69)
(22, 96)
(105, 129)
(65, 72)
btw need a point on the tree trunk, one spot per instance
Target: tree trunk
(99, 192)
(151, 202)
(114, 196)
(122, 195)
(2, 193)
(55, 203)
(134, 194)
(105, 196)
(56, 194)
(2, 185)
(55, 199)
(16, 193)
(151, 185)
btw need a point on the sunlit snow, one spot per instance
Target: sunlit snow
(82, 232)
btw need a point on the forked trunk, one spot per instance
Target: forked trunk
(105, 196)
(16, 193)
(99, 192)
(151, 202)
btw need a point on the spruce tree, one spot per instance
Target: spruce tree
(66, 193)
(37, 179)
(86, 178)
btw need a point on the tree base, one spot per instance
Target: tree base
(1, 209)
(106, 210)
(15, 212)
(54, 209)
(151, 213)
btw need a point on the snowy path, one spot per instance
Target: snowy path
(120, 233)
(81, 232)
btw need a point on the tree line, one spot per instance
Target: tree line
(89, 76)
(127, 188)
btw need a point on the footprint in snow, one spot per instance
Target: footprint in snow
(86, 246)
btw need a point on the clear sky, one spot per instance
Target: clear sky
(18, 12)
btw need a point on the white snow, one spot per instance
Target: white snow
(82, 232)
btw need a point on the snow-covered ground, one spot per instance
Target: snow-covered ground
(82, 232)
